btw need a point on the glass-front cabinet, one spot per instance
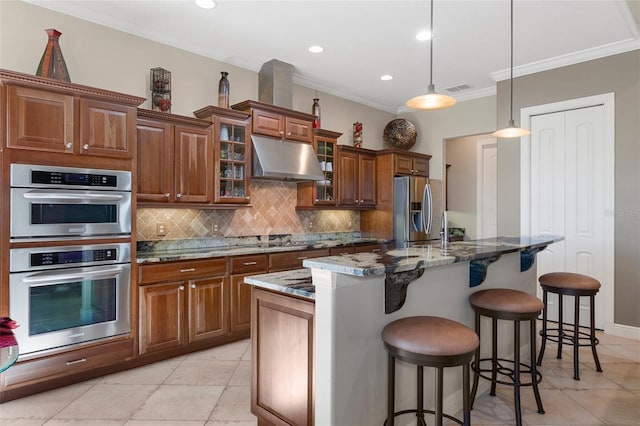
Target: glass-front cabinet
(322, 192)
(232, 154)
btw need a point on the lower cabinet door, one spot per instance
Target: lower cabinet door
(207, 313)
(282, 340)
(161, 316)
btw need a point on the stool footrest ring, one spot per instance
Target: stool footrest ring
(567, 338)
(399, 413)
(504, 371)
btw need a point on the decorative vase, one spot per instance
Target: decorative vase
(315, 111)
(357, 134)
(52, 63)
(223, 90)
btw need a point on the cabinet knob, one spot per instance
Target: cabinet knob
(178, 195)
(166, 194)
(181, 288)
(281, 132)
(68, 145)
(85, 146)
(193, 286)
(289, 134)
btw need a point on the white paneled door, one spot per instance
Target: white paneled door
(487, 197)
(570, 193)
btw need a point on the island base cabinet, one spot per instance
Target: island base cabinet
(282, 338)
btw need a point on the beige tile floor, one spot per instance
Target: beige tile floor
(212, 388)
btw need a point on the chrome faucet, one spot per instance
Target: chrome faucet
(444, 230)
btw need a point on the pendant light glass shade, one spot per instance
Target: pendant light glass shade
(511, 131)
(431, 100)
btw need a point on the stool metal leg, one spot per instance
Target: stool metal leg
(576, 337)
(592, 326)
(391, 382)
(420, 394)
(560, 323)
(476, 363)
(465, 396)
(544, 327)
(438, 410)
(494, 355)
(516, 371)
(534, 371)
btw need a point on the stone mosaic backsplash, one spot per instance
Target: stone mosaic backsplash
(272, 212)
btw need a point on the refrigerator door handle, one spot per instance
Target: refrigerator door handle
(427, 208)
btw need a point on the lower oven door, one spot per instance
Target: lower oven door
(63, 307)
(37, 213)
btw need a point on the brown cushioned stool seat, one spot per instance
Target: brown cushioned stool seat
(427, 341)
(577, 285)
(510, 305)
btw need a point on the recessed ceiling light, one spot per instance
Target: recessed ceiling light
(316, 49)
(423, 35)
(386, 77)
(206, 4)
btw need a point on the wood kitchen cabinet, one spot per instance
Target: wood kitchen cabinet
(282, 341)
(232, 154)
(182, 303)
(411, 164)
(240, 310)
(278, 122)
(293, 259)
(175, 159)
(356, 177)
(322, 193)
(69, 119)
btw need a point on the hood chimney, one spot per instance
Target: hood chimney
(275, 84)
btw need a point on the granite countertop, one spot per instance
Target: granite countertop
(150, 254)
(426, 255)
(296, 281)
(299, 282)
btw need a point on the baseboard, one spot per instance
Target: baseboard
(626, 331)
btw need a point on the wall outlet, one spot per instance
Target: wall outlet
(215, 228)
(161, 229)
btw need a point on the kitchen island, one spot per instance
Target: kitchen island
(355, 297)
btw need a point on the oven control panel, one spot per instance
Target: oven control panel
(28, 259)
(73, 179)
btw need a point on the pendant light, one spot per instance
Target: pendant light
(431, 100)
(511, 131)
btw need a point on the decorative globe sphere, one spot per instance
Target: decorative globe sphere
(400, 133)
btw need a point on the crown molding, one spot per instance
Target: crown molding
(569, 59)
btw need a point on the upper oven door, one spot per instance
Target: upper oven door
(49, 213)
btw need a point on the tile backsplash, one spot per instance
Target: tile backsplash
(272, 211)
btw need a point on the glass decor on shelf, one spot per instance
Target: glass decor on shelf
(232, 161)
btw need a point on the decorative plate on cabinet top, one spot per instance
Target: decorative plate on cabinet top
(400, 133)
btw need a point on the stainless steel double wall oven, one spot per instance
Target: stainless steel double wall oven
(69, 287)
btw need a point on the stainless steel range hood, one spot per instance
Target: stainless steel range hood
(276, 159)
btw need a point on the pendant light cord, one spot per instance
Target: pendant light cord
(511, 79)
(431, 48)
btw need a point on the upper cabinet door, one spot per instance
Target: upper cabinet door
(367, 180)
(298, 130)
(155, 161)
(106, 129)
(267, 123)
(193, 161)
(39, 120)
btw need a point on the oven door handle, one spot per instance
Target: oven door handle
(57, 196)
(59, 276)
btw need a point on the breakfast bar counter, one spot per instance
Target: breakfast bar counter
(356, 295)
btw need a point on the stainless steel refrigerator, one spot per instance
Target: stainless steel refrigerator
(417, 210)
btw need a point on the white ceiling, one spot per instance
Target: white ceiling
(366, 39)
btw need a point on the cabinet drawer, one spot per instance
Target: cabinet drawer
(181, 270)
(337, 251)
(69, 362)
(247, 264)
(293, 259)
(370, 248)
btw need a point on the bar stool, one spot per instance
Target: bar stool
(429, 342)
(516, 306)
(569, 284)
